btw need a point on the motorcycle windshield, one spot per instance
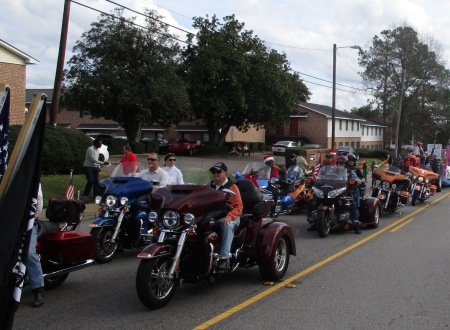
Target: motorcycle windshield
(332, 173)
(196, 176)
(259, 169)
(295, 172)
(126, 169)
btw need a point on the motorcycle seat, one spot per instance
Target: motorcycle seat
(249, 194)
(46, 227)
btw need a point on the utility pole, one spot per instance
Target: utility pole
(400, 103)
(60, 64)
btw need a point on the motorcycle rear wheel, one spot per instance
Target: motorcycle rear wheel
(105, 250)
(274, 269)
(323, 226)
(414, 197)
(54, 281)
(153, 285)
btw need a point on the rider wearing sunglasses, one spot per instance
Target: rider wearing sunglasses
(176, 177)
(154, 173)
(231, 221)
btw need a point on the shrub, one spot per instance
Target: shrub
(64, 149)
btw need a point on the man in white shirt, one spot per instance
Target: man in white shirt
(155, 173)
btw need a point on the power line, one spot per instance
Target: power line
(356, 90)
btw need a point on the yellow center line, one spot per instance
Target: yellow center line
(403, 224)
(295, 277)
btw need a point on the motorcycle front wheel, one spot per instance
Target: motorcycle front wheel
(323, 226)
(154, 286)
(104, 248)
(414, 197)
(275, 268)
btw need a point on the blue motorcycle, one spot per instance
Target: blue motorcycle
(123, 221)
(277, 188)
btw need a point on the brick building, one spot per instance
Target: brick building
(313, 124)
(13, 73)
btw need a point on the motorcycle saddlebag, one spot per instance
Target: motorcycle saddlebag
(404, 197)
(70, 247)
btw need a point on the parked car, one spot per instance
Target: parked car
(162, 142)
(278, 148)
(345, 150)
(312, 146)
(102, 136)
(188, 146)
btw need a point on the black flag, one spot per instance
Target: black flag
(18, 190)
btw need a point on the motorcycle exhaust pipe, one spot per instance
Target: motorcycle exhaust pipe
(87, 263)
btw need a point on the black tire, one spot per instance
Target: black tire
(105, 250)
(439, 183)
(376, 217)
(436, 165)
(323, 226)
(153, 285)
(414, 197)
(273, 270)
(54, 281)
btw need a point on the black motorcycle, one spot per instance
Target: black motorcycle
(333, 202)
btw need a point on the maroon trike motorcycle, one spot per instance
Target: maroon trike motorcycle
(187, 247)
(62, 249)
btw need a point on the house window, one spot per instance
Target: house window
(363, 131)
(371, 131)
(353, 128)
(346, 143)
(340, 124)
(352, 144)
(346, 125)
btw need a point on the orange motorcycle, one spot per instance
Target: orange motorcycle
(422, 186)
(297, 188)
(391, 188)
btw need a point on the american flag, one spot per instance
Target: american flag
(69, 190)
(4, 130)
(317, 168)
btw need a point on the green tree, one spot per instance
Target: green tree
(127, 73)
(234, 80)
(408, 78)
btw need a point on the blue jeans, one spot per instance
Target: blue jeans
(227, 234)
(355, 206)
(34, 269)
(92, 180)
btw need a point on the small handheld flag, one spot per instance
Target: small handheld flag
(69, 190)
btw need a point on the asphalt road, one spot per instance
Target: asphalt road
(393, 277)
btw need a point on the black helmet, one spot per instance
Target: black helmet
(351, 156)
(342, 160)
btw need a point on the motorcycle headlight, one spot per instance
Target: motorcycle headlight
(171, 219)
(318, 192)
(420, 179)
(111, 200)
(189, 219)
(123, 201)
(426, 180)
(152, 216)
(336, 192)
(98, 200)
(385, 185)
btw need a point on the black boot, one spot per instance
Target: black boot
(357, 229)
(38, 297)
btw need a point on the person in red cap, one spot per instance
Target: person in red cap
(274, 170)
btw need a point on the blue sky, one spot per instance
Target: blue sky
(304, 30)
